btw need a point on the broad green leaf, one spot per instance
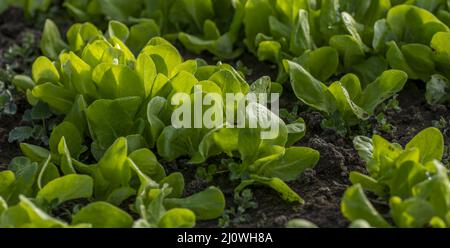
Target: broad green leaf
(3, 205)
(112, 165)
(388, 84)
(23, 83)
(66, 188)
(77, 115)
(119, 195)
(384, 155)
(7, 180)
(360, 224)
(256, 21)
(146, 182)
(166, 54)
(207, 205)
(187, 66)
(177, 218)
(308, 89)
(71, 135)
(35, 153)
(111, 119)
(176, 182)
(141, 33)
(367, 183)
(352, 27)
(382, 34)
(102, 215)
(155, 108)
(57, 97)
(146, 70)
(356, 206)
(118, 30)
(277, 184)
(397, 60)
(322, 63)
(269, 51)
(136, 141)
(347, 108)
(121, 81)
(79, 35)
(51, 41)
(77, 74)
(221, 46)
(148, 164)
(173, 142)
(439, 43)
(352, 85)
(370, 69)
(44, 71)
(430, 144)
(420, 59)
(350, 50)
(300, 223)
(288, 167)
(217, 141)
(94, 51)
(26, 173)
(66, 158)
(329, 19)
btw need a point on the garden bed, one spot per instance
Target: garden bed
(322, 188)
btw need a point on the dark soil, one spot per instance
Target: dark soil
(322, 188)
(13, 27)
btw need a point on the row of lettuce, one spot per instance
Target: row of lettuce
(116, 108)
(365, 39)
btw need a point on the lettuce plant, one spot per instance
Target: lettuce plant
(412, 179)
(346, 98)
(440, 7)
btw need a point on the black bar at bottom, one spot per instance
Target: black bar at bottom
(239, 238)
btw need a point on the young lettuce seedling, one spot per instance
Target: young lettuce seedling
(412, 179)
